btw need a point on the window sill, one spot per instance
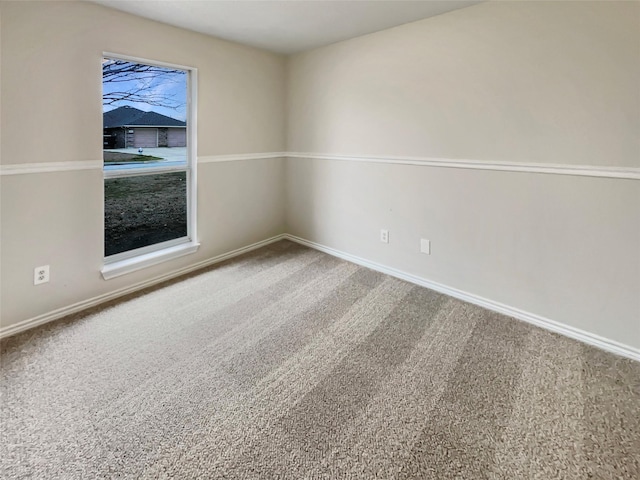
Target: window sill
(122, 267)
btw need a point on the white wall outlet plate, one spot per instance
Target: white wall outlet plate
(425, 246)
(384, 236)
(41, 275)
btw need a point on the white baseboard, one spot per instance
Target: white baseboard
(571, 332)
(92, 302)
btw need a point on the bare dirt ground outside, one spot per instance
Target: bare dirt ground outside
(144, 210)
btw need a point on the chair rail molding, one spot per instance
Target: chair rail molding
(626, 173)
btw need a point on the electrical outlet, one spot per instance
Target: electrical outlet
(425, 246)
(41, 275)
(384, 236)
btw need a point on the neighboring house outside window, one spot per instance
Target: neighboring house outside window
(126, 127)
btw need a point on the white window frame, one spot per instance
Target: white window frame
(133, 260)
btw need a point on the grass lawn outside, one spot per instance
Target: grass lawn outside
(119, 157)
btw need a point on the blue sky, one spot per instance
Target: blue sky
(171, 85)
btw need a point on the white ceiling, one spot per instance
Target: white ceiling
(286, 26)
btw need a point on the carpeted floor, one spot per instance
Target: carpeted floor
(288, 363)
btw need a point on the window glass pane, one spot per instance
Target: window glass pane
(144, 210)
(144, 115)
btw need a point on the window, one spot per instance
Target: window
(149, 166)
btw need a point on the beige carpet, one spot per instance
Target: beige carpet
(288, 363)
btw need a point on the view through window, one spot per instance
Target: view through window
(146, 168)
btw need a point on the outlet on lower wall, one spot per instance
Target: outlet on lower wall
(384, 236)
(41, 275)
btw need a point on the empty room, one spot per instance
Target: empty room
(320, 239)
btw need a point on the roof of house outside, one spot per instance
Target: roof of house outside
(132, 117)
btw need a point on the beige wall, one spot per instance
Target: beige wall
(542, 82)
(52, 112)
(561, 247)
